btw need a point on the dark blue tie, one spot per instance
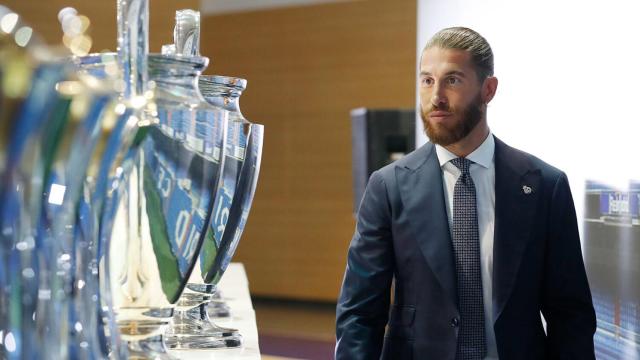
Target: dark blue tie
(472, 344)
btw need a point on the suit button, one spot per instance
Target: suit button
(455, 322)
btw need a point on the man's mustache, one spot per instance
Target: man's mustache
(443, 107)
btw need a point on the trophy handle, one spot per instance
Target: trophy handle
(186, 34)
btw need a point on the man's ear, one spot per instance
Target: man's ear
(489, 87)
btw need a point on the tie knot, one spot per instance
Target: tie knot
(462, 164)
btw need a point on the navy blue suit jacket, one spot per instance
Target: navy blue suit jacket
(402, 234)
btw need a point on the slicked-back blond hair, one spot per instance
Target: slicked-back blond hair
(463, 38)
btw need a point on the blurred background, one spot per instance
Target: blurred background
(318, 70)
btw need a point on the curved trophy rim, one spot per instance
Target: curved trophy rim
(235, 83)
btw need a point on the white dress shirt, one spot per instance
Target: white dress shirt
(483, 174)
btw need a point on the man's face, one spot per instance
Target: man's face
(450, 95)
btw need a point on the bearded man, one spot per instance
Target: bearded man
(478, 238)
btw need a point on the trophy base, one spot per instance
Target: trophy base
(193, 329)
(204, 342)
(199, 328)
(153, 348)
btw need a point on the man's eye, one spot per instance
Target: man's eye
(427, 81)
(453, 81)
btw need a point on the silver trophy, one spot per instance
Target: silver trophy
(192, 327)
(108, 192)
(66, 288)
(61, 113)
(28, 78)
(97, 149)
(246, 138)
(158, 214)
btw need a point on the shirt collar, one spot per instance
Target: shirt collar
(482, 155)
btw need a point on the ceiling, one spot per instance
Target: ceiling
(214, 7)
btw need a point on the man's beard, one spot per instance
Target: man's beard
(446, 135)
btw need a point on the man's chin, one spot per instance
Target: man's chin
(441, 142)
(440, 139)
(439, 134)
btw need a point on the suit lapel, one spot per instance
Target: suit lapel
(420, 184)
(421, 191)
(517, 191)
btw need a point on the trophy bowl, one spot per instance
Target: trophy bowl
(192, 328)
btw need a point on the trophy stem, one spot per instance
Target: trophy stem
(218, 309)
(150, 348)
(193, 329)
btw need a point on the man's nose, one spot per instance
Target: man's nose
(438, 99)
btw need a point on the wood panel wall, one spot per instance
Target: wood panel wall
(42, 16)
(307, 67)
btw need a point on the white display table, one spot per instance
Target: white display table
(235, 291)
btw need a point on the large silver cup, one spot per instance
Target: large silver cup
(27, 96)
(163, 204)
(192, 328)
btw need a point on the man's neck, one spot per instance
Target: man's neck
(470, 142)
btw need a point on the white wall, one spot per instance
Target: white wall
(569, 80)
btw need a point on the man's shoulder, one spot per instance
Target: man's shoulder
(411, 161)
(524, 158)
(420, 156)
